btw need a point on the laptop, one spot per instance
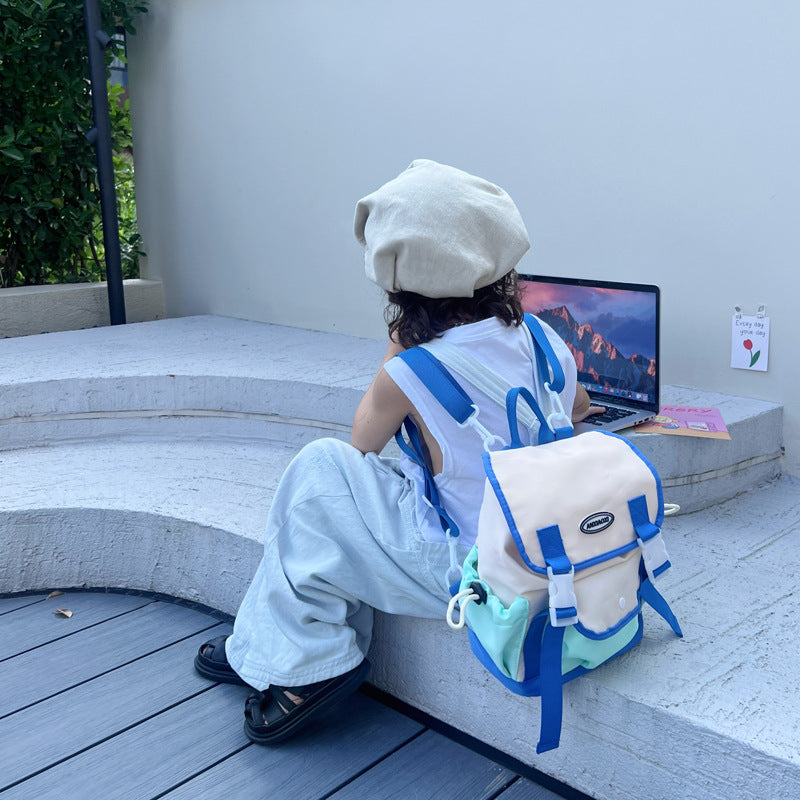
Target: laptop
(612, 330)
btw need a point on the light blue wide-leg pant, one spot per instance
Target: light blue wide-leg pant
(341, 540)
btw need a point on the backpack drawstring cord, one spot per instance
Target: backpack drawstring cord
(462, 599)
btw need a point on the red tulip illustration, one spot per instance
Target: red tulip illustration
(748, 345)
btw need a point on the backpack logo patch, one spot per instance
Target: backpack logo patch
(595, 523)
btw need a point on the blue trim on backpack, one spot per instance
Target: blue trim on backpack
(555, 556)
(660, 493)
(607, 634)
(607, 556)
(512, 525)
(526, 688)
(640, 517)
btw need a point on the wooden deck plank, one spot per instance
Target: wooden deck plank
(57, 666)
(430, 768)
(524, 789)
(48, 732)
(115, 711)
(9, 604)
(149, 759)
(358, 733)
(36, 624)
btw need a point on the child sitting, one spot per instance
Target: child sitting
(350, 531)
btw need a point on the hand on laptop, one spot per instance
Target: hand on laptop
(583, 407)
(591, 411)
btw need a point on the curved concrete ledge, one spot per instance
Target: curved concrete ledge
(185, 518)
(190, 422)
(129, 550)
(224, 378)
(29, 408)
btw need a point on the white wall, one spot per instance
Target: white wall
(652, 142)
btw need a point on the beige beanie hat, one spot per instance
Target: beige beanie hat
(439, 232)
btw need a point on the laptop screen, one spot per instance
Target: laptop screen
(611, 328)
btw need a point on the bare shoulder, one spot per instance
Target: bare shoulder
(387, 393)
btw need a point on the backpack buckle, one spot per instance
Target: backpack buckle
(654, 554)
(558, 420)
(563, 603)
(487, 437)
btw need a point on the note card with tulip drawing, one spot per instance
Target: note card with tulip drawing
(750, 342)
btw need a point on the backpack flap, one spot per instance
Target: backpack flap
(572, 509)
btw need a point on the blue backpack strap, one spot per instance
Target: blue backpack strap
(546, 363)
(656, 601)
(449, 393)
(545, 355)
(414, 450)
(444, 387)
(563, 612)
(546, 433)
(551, 685)
(447, 390)
(654, 552)
(560, 574)
(440, 383)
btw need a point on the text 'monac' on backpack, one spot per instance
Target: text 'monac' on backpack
(569, 538)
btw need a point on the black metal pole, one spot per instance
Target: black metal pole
(100, 137)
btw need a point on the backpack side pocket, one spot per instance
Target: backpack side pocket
(500, 630)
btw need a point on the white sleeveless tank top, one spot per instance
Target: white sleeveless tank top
(507, 351)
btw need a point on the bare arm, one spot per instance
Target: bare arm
(381, 410)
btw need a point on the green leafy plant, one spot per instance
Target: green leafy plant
(49, 204)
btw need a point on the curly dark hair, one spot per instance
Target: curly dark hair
(414, 319)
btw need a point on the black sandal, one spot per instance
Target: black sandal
(212, 662)
(273, 716)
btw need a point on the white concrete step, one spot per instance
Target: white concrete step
(214, 377)
(208, 376)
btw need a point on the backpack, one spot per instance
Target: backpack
(569, 534)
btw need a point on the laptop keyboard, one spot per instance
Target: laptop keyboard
(609, 415)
